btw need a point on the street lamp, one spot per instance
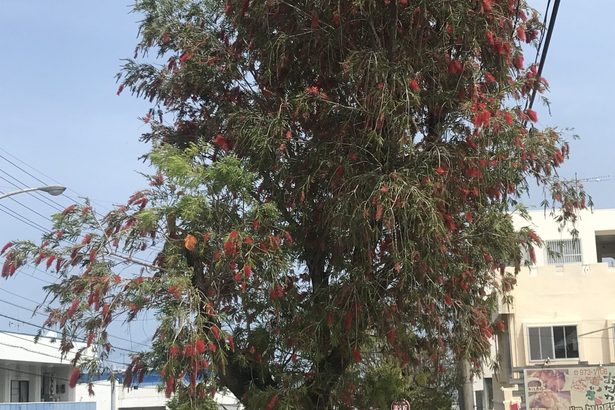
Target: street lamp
(53, 190)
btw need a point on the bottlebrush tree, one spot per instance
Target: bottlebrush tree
(333, 183)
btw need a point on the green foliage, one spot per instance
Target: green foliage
(183, 401)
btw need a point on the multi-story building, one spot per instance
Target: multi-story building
(558, 349)
(35, 372)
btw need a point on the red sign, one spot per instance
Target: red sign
(400, 405)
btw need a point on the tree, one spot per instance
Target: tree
(328, 175)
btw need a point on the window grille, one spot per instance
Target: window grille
(563, 251)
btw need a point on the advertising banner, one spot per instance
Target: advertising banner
(570, 388)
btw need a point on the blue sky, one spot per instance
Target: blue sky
(59, 113)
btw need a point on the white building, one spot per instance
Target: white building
(143, 396)
(33, 372)
(560, 324)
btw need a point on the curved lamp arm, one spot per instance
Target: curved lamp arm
(54, 190)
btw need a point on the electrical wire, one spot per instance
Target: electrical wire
(81, 340)
(545, 50)
(27, 173)
(20, 218)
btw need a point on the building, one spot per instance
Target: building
(34, 372)
(146, 395)
(558, 348)
(34, 376)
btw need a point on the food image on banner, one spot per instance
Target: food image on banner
(572, 388)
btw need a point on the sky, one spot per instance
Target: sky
(62, 122)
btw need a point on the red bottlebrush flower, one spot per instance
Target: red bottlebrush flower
(221, 142)
(277, 292)
(448, 300)
(119, 89)
(247, 271)
(212, 347)
(256, 224)
(532, 254)
(185, 56)
(189, 350)
(518, 62)
(455, 67)
(487, 332)
(482, 118)
(190, 242)
(441, 170)
(379, 210)
(216, 331)
(69, 209)
(50, 260)
(521, 33)
(200, 346)
(348, 320)
(469, 217)
(487, 5)
(312, 90)
(273, 403)
(315, 22)
(532, 115)
(231, 342)
(508, 118)
(233, 234)
(473, 172)
(356, 355)
(336, 19)
(533, 235)
(392, 336)
(5, 247)
(490, 38)
(229, 248)
(74, 377)
(173, 351)
(490, 78)
(73, 307)
(558, 157)
(170, 387)
(414, 86)
(500, 325)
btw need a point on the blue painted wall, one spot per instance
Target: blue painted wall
(49, 406)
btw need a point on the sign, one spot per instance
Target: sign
(400, 405)
(570, 388)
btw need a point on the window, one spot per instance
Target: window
(563, 251)
(19, 391)
(553, 342)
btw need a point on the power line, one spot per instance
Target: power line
(545, 50)
(37, 195)
(27, 173)
(20, 218)
(81, 340)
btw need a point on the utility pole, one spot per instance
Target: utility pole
(112, 390)
(467, 390)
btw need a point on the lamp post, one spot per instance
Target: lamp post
(53, 190)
